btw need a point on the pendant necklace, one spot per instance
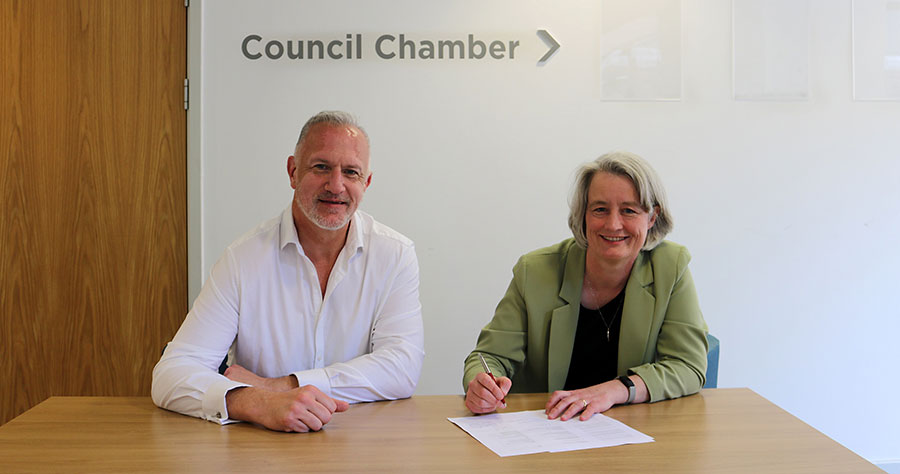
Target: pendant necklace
(615, 314)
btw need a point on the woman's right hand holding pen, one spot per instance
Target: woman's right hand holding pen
(485, 396)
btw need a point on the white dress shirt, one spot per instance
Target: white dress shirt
(362, 341)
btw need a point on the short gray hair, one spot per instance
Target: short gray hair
(331, 117)
(646, 183)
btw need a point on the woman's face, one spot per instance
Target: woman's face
(616, 225)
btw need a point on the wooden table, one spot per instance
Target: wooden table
(720, 430)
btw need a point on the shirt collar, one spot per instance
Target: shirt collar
(355, 239)
(289, 232)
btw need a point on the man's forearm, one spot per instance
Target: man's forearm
(243, 403)
(276, 384)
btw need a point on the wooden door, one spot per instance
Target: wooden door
(93, 266)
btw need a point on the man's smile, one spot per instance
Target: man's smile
(333, 201)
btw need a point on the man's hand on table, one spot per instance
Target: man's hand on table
(278, 403)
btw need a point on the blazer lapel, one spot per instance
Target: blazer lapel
(637, 314)
(564, 321)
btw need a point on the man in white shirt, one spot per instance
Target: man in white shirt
(321, 302)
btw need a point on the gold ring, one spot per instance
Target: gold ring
(585, 403)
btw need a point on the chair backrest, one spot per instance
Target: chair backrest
(712, 362)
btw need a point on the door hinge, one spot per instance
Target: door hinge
(186, 94)
(187, 3)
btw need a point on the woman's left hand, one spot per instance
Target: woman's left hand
(565, 404)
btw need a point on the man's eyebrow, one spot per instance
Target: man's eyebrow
(316, 161)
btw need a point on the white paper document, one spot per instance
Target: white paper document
(527, 432)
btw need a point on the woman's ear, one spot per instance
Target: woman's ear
(654, 212)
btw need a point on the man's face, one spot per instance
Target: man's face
(330, 174)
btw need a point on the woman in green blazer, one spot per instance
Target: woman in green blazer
(609, 317)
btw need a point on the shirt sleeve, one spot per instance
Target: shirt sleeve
(679, 367)
(186, 378)
(392, 367)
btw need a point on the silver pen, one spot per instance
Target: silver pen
(487, 370)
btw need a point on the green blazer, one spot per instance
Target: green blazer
(662, 337)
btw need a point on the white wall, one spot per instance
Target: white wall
(789, 208)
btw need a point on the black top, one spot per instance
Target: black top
(594, 359)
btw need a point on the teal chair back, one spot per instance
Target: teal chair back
(712, 362)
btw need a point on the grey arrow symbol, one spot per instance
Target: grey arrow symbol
(544, 35)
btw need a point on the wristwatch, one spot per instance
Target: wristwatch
(630, 386)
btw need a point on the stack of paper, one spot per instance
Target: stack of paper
(527, 432)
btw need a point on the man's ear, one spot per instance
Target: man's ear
(291, 169)
(369, 180)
